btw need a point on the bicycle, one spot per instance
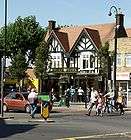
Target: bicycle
(114, 108)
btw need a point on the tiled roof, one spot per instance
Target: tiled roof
(63, 38)
(128, 30)
(94, 34)
(99, 33)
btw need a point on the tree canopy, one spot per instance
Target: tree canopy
(24, 34)
(104, 57)
(42, 60)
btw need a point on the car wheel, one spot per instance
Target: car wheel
(27, 109)
(5, 108)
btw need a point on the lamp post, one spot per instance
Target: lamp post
(115, 48)
(3, 61)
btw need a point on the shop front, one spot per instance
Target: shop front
(124, 81)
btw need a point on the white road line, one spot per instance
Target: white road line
(97, 136)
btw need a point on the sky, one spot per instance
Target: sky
(66, 12)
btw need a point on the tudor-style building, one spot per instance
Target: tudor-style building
(74, 52)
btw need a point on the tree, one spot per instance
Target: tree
(18, 67)
(42, 63)
(23, 37)
(24, 34)
(105, 61)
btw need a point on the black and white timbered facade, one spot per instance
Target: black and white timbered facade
(77, 63)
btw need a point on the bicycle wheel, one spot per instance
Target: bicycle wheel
(115, 109)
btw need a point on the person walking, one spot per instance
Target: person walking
(80, 93)
(32, 98)
(93, 100)
(100, 104)
(120, 100)
(110, 101)
(52, 96)
(72, 93)
(87, 96)
(67, 97)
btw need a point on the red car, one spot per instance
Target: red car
(19, 101)
(16, 101)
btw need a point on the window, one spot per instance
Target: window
(92, 60)
(88, 60)
(118, 59)
(56, 60)
(85, 63)
(128, 59)
(71, 62)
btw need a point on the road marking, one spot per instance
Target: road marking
(97, 136)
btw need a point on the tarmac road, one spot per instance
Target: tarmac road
(69, 124)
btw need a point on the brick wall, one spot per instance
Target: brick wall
(123, 47)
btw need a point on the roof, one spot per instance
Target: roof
(128, 30)
(99, 34)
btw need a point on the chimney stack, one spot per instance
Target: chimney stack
(121, 32)
(51, 25)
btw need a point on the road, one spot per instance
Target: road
(69, 125)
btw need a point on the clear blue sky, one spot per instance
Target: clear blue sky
(66, 12)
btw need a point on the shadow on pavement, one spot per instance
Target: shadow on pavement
(7, 130)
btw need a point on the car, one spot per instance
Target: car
(16, 101)
(19, 101)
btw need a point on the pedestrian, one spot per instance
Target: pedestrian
(52, 96)
(120, 100)
(72, 93)
(93, 100)
(29, 89)
(80, 93)
(110, 101)
(88, 94)
(100, 104)
(67, 97)
(32, 97)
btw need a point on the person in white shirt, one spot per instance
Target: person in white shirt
(80, 93)
(110, 99)
(93, 99)
(32, 98)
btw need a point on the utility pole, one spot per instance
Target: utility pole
(3, 62)
(115, 49)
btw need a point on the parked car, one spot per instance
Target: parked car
(16, 101)
(19, 101)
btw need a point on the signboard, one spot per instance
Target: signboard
(122, 76)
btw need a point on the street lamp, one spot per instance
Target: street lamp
(3, 61)
(115, 48)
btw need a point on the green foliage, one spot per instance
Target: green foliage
(19, 66)
(42, 60)
(103, 55)
(24, 34)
